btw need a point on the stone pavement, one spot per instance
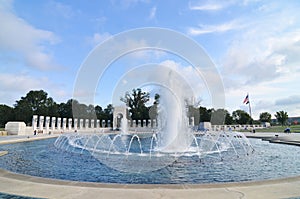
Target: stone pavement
(23, 185)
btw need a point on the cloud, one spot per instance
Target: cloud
(13, 86)
(125, 4)
(17, 36)
(152, 13)
(290, 100)
(20, 82)
(206, 29)
(98, 38)
(191, 76)
(60, 9)
(206, 7)
(265, 50)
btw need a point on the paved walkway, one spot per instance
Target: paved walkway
(23, 185)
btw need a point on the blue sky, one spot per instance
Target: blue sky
(254, 45)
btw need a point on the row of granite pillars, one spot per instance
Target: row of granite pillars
(48, 123)
(151, 123)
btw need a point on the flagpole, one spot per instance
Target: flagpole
(249, 108)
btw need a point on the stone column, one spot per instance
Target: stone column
(149, 124)
(154, 124)
(58, 123)
(70, 123)
(75, 124)
(87, 123)
(139, 123)
(108, 123)
(53, 120)
(192, 121)
(47, 124)
(92, 123)
(64, 123)
(134, 124)
(97, 124)
(103, 123)
(81, 124)
(34, 122)
(41, 123)
(144, 123)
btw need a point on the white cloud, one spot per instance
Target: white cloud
(16, 35)
(125, 4)
(266, 50)
(60, 9)
(152, 13)
(290, 100)
(98, 38)
(14, 86)
(195, 80)
(206, 29)
(206, 7)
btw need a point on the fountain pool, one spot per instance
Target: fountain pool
(42, 158)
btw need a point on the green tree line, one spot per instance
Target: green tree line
(39, 103)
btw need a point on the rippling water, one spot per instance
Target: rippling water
(41, 158)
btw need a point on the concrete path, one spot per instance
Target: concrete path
(46, 188)
(23, 185)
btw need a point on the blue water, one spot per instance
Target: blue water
(41, 158)
(10, 196)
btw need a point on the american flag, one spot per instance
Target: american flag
(246, 100)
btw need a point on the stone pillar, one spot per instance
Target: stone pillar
(108, 123)
(144, 123)
(134, 124)
(47, 124)
(92, 123)
(70, 123)
(41, 123)
(129, 123)
(53, 120)
(154, 124)
(34, 122)
(97, 124)
(103, 123)
(58, 123)
(64, 123)
(192, 121)
(149, 124)
(75, 124)
(139, 123)
(81, 124)
(87, 123)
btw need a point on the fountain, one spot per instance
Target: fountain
(137, 152)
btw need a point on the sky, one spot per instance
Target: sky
(254, 45)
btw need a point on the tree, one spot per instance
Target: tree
(265, 117)
(228, 118)
(34, 103)
(6, 115)
(136, 101)
(153, 110)
(65, 109)
(108, 112)
(221, 116)
(241, 117)
(282, 117)
(205, 114)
